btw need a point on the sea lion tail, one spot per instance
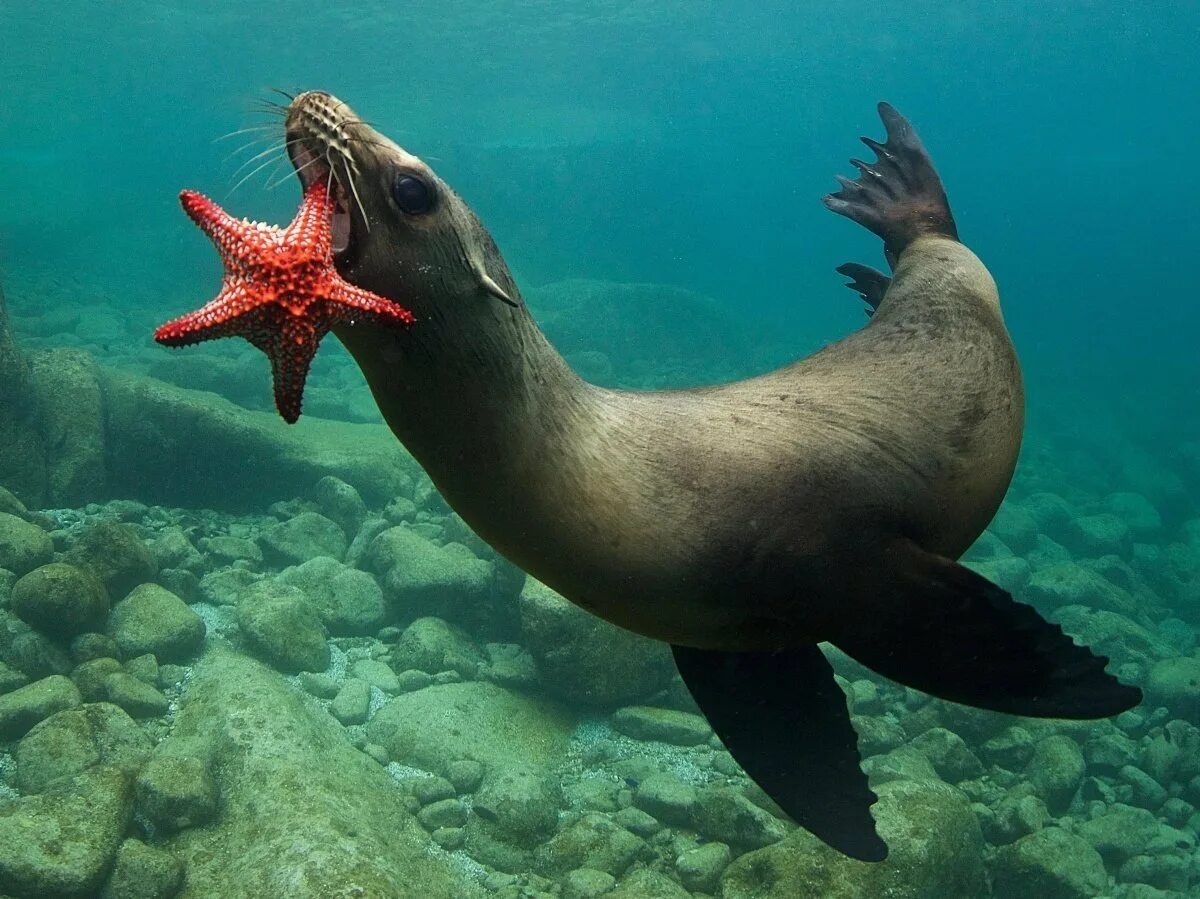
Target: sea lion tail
(784, 719)
(953, 633)
(899, 196)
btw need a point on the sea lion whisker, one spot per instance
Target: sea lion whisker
(259, 126)
(312, 161)
(282, 93)
(246, 146)
(354, 190)
(249, 175)
(271, 149)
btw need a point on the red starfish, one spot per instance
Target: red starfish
(280, 291)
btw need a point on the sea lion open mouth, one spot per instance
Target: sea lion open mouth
(319, 133)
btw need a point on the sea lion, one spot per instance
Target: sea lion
(743, 523)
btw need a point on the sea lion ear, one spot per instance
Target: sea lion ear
(489, 285)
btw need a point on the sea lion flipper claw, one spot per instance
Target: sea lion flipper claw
(869, 283)
(784, 719)
(951, 632)
(899, 196)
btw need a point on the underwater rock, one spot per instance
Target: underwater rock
(1167, 872)
(235, 459)
(476, 720)
(517, 805)
(23, 546)
(431, 644)
(340, 502)
(443, 814)
(292, 789)
(174, 792)
(173, 549)
(1015, 527)
(585, 659)
(1066, 584)
(376, 674)
(1050, 512)
(136, 697)
(22, 451)
(304, 537)
(24, 707)
(225, 549)
(905, 763)
(10, 679)
(71, 409)
(423, 579)
(88, 646)
(727, 815)
(74, 740)
(143, 872)
(352, 703)
(1112, 635)
(935, 851)
(664, 725)
(949, 755)
(1137, 512)
(1092, 536)
(281, 625)
(61, 600)
(668, 799)
(1121, 832)
(1175, 684)
(90, 676)
(116, 555)
(586, 883)
(348, 602)
(1016, 815)
(1050, 862)
(510, 665)
(32, 653)
(144, 668)
(593, 841)
(225, 586)
(62, 842)
(702, 867)
(154, 620)
(1056, 771)
(646, 883)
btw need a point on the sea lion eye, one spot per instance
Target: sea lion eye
(412, 194)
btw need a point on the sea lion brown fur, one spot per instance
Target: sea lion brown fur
(743, 523)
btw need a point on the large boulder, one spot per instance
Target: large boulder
(282, 626)
(74, 740)
(303, 814)
(62, 842)
(23, 546)
(154, 620)
(1175, 684)
(116, 555)
(22, 451)
(348, 601)
(24, 707)
(936, 850)
(187, 448)
(585, 659)
(60, 599)
(1050, 862)
(421, 578)
(71, 407)
(484, 722)
(304, 537)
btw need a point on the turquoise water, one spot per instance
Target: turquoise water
(652, 173)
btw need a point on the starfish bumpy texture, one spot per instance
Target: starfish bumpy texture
(281, 291)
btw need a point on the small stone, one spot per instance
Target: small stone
(668, 799)
(90, 676)
(144, 668)
(23, 546)
(304, 537)
(143, 872)
(228, 550)
(86, 647)
(173, 549)
(151, 619)
(446, 813)
(341, 503)
(701, 868)
(116, 555)
(412, 680)
(663, 725)
(24, 707)
(450, 838)
(60, 600)
(587, 883)
(637, 821)
(377, 674)
(175, 792)
(433, 645)
(72, 741)
(280, 624)
(465, 774)
(136, 697)
(432, 789)
(352, 703)
(377, 752)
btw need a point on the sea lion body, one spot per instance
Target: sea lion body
(742, 523)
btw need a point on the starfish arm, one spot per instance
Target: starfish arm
(357, 301)
(233, 238)
(310, 229)
(293, 345)
(218, 318)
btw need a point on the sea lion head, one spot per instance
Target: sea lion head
(399, 229)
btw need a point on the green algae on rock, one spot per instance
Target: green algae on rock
(281, 625)
(154, 620)
(74, 740)
(23, 546)
(60, 599)
(303, 814)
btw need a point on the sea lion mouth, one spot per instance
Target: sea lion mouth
(318, 135)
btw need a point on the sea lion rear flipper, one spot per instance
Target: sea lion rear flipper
(953, 633)
(899, 196)
(869, 283)
(784, 719)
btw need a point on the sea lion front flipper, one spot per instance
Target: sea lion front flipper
(784, 719)
(951, 632)
(869, 283)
